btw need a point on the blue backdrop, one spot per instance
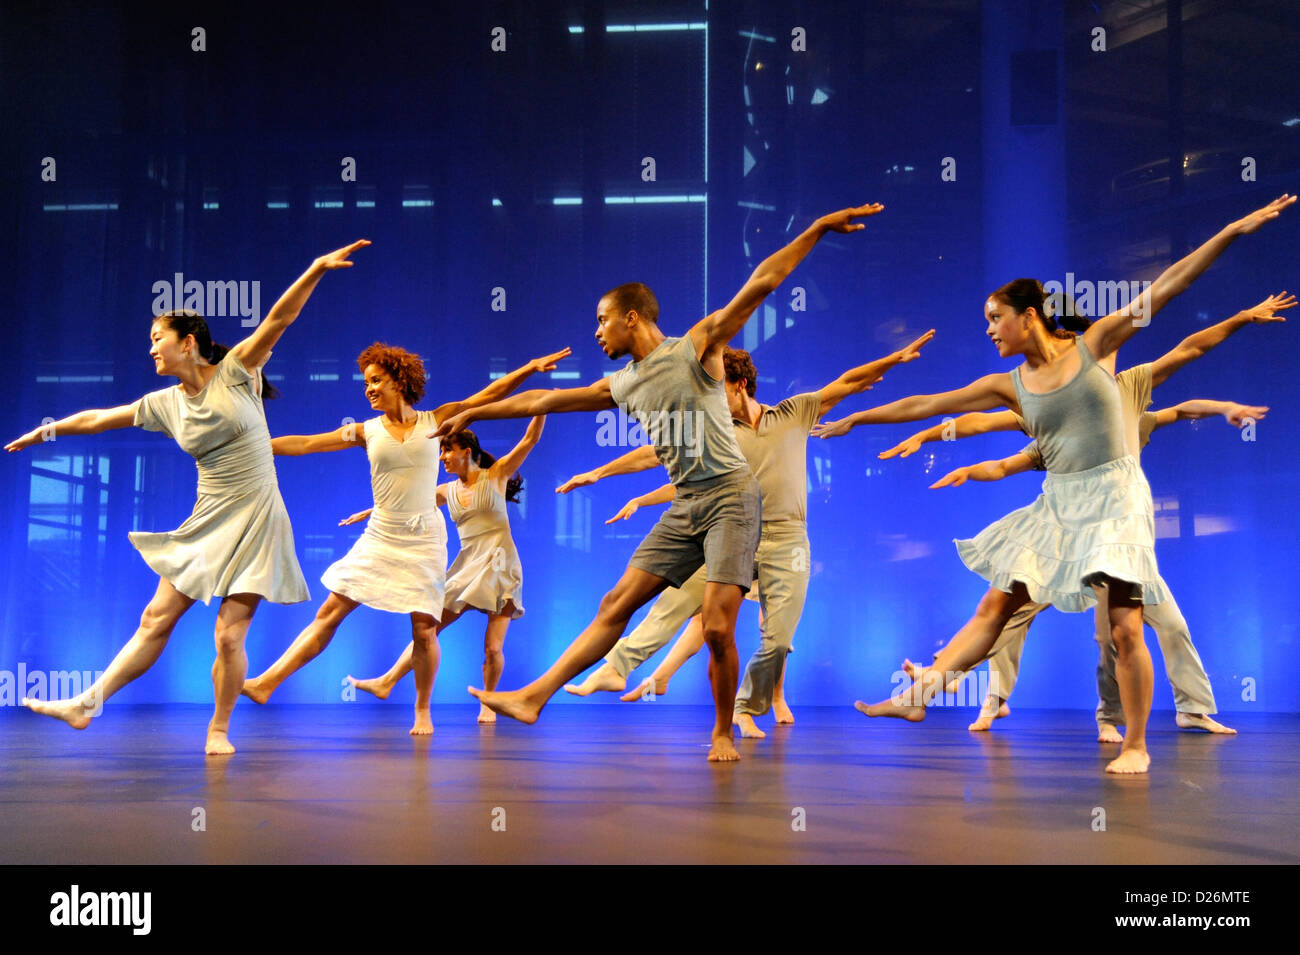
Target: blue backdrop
(511, 165)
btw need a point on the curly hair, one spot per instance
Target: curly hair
(404, 367)
(739, 365)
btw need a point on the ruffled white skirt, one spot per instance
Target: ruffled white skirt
(1084, 525)
(399, 564)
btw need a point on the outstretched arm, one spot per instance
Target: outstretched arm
(293, 445)
(256, 348)
(718, 328)
(1235, 414)
(968, 425)
(638, 459)
(661, 495)
(860, 379)
(83, 422)
(1104, 336)
(502, 387)
(1195, 346)
(513, 460)
(991, 391)
(986, 471)
(530, 404)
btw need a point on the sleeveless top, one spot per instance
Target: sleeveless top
(404, 474)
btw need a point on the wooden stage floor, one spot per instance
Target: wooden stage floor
(628, 783)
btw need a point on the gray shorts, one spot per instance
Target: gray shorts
(715, 523)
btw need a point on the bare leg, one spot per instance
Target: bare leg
(688, 644)
(230, 667)
(633, 591)
(494, 659)
(963, 652)
(381, 686)
(137, 656)
(305, 647)
(425, 654)
(1134, 676)
(780, 708)
(721, 605)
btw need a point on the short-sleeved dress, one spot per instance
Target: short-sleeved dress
(486, 574)
(238, 540)
(399, 563)
(1095, 515)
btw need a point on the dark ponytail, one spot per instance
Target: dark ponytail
(1058, 319)
(186, 321)
(468, 441)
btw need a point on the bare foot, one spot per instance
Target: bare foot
(1130, 762)
(985, 720)
(512, 704)
(218, 742)
(723, 750)
(485, 715)
(894, 706)
(917, 670)
(1200, 721)
(646, 690)
(73, 712)
(254, 691)
(423, 725)
(748, 728)
(1108, 733)
(781, 710)
(604, 678)
(376, 687)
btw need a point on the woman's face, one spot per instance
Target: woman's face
(1007, 328)
(455, 459)
(170, 354)
(381, 390)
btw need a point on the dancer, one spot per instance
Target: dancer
(1073, 409)
(774, 441)
(675, 387)
(486, 575)
(1193, 696)
(238, 543)
(399, 562)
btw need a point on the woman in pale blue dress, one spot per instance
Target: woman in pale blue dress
(237, 544)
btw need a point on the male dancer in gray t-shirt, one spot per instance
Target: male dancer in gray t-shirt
(674, 387)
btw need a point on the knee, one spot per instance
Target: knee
(155, 623)
(423, 639)
(1126, 638)
(229, 640)
(719, 638)
(611, 608)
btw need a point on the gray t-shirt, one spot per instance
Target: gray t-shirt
(1135, 397)
(683, 410)
(777, 454)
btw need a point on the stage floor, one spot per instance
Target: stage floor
(629, 783)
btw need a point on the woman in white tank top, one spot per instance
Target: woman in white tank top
(399, 563)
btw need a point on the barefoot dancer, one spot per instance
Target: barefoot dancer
(774, 441)
(1193, 697)
(1073, 408)
(486, 574)
(675, 387)
(399, 562)
(238, 543)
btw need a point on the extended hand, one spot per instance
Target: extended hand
(358, 516)
(1264, 311)
(338, 259)
(831, 429)
(35, 436)
(1237, 414)
(913, 351)
(548, 362)
(453, 425)
(903, 449)
(842, 221)
(953, 478)
(578, 480)
(630, 508)
(1267, 214)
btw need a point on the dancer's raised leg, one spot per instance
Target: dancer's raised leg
(494, 659)
(305, 647)
(424, 655)
(721, 605)
(138, 655)
(230, 667)
(634, 589)
(381, 686)
(1134, 676)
